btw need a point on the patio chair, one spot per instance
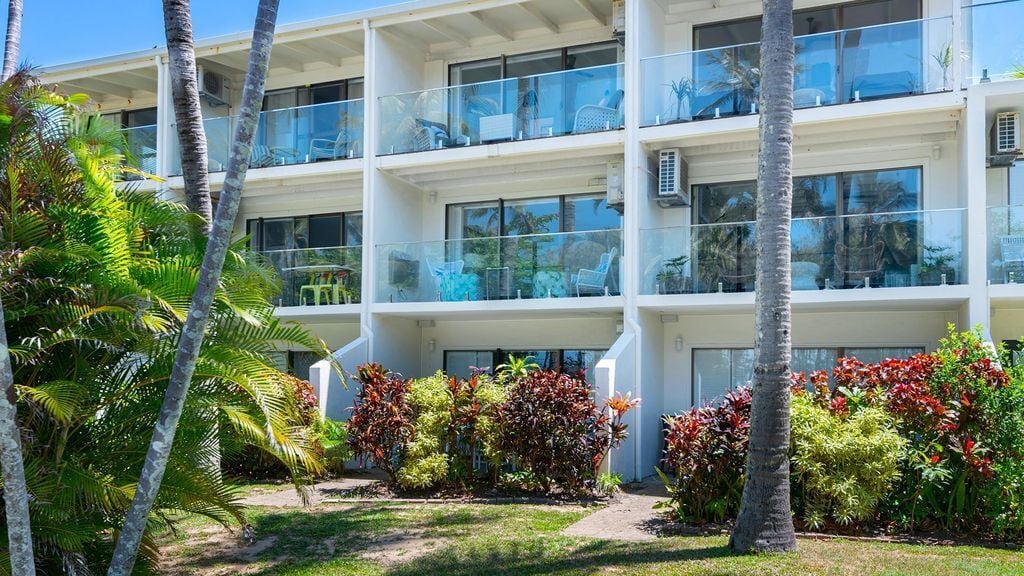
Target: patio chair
(598, 117)
(1011, 251)
(593, 281)
(319, 283)
(327, 149)
(429, 134)
(856, 264)
(453, 284)
(261, 156)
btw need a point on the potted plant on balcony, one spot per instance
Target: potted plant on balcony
(938, 261)
(683, 91)
(672, 279)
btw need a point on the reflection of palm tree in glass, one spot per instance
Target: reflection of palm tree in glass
(741, 78)
(881, 207)
(724, 249)
(521, 221)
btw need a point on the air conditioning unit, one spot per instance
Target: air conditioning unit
(216, 88)
(1006, 133)
(673, 178)
(619, 19)
(616, 187)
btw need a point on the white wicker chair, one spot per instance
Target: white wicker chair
(593, 281)
(1011, 251)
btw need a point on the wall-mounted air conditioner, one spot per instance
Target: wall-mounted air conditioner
(673, 178)
(1006, 133)
(619, 19)
(615, 184)
(216, 88)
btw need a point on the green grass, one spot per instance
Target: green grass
(464, 540)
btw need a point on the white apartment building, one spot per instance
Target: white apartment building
(444, 182)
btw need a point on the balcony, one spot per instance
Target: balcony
(140, 149)
(854, 65)
(1006, 245)
(288, 136)
(562, 265)
(885, 250)
(312, 277)
(524, 108)
(993, 44)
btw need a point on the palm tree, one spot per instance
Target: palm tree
(97, 283)
(188, 113)
(765, 522)
(13, 42)
(194, 329)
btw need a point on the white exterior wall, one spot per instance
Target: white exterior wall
(399, 208)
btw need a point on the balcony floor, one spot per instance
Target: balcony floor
(913, 108)
(325, 313)
(545, 308)
(859, 299)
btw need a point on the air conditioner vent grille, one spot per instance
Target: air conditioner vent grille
(1007, 132)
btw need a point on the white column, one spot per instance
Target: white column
(976, 232)
(633, 182)
(370, 111)
(164, 114)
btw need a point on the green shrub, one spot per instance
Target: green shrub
(381, 423)
(334, 440)
(705, 452)
(844, 463)
(453, 419)
(552, 427)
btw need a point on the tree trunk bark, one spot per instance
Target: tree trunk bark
(13, 43)
(209, 277)
(765, 521)
(19, 531)
(188, 112)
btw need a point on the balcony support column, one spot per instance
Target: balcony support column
(976, 231)
(164, 119)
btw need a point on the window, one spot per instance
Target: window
(1015, 175)
(545, 215)
(530, 64)
(463, 363)
(810, 21)
(316, 231)
(867, 60)
(289, 129)
(717, 370)
(867, 192)
(1016, 351)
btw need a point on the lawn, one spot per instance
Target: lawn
(460, 540)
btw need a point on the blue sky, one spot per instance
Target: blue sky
(59, 31)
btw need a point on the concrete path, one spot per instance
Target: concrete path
(627, 517)
(287, 497)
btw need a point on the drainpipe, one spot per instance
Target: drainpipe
(369, 157)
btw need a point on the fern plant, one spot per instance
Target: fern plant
(96, 282)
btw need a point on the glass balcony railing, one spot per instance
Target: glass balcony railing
(524, 108)
(993, 41)
(870, 63)
(1006, 245)
(318, 276)
(140, 149)
(567, 264)
(287, 136)
(888, 250)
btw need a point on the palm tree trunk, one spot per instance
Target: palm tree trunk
(19, 532)
(199, 313)
(765, 522)
(13, 43)
(188, 113)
